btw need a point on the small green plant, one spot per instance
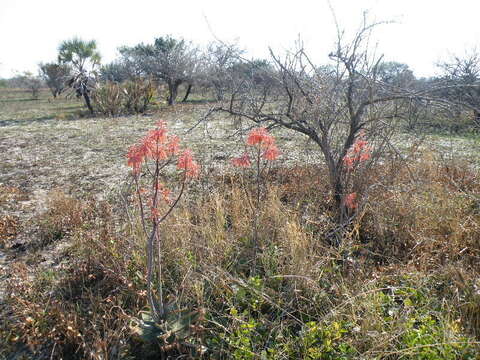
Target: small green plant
(424, 339)
(242, 340)
(426, 334)
(318, 341)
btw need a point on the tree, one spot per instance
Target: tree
(461, 82)
(84, 59)
(119, 71)
(395, 73)
(220, 60)
(55, 76)
(28, 81)
(336, 106)
(174, 61)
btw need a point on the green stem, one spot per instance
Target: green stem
(257, 212)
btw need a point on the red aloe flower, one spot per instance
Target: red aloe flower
(351, 200)
(271, 153)
(359, 145)
(260, 136)
(164, 192)
(158, 151)
(242, 161)
(158, 135)
(365, 156)
(187, 163)
(135, 156)
(173, 145)
(360, 151)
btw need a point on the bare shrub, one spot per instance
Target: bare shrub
(461, 83)
(220, 62)
(28, 81)
(331, 105)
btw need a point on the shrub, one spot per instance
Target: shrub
(139, 95)
(130, 97)
(55, 76)
(108, 99)
(28, 81)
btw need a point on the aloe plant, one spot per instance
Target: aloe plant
(172, 329)
(164, 324)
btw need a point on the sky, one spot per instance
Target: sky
(422, 32)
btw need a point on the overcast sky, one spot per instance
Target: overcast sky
(424, 32)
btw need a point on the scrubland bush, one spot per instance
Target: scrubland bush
(173, 61)
(130, 97)
(108, 100)
(139, 95)
(27, 81)
(336, 106)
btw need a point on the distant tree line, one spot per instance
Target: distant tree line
(221, 72)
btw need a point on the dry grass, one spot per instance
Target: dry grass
(405, 288)
(304, 292)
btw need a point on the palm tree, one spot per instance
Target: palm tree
(83, 57)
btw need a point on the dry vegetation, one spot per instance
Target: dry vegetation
(404, 285)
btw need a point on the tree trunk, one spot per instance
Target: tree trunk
(476, 119)
(172, 92)
(87, 101)
(219, 91)
(334, 174)
(189, 89)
